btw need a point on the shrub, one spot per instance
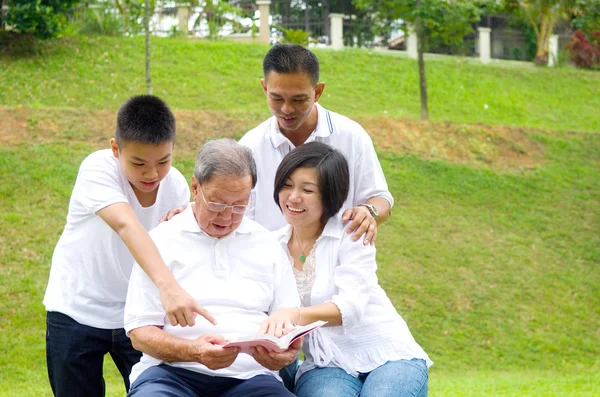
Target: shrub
(293, 36)
(585, 53)
(42, 19)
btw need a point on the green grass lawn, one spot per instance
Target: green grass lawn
(100, 73)
(496, 272)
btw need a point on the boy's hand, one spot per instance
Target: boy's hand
(172, 213)
(181, 308)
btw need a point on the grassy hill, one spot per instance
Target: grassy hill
(491, 255)
(101, 73)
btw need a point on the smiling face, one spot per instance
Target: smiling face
(144, 165)
(225, 189)
(291, 98)
(300, 198)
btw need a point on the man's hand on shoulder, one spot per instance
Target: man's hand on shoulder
(208, 351)
(181, 308)
(275, 361)
(172, 213)
(361, 223)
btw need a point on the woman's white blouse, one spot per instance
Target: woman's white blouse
(372, 332)
(305, 278)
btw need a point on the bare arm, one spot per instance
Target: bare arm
(327, 311)
(178, 304)
(383, 207)
(205, 350)
(280, 322)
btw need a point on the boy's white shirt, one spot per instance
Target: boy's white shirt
(91, 265)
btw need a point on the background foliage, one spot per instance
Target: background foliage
(40, 18)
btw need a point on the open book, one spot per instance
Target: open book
(273, 343)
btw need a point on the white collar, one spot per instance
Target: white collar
(334, 229)
(324, 128)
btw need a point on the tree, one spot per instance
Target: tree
(543, 16)
(216, 14)
(147, 13)
(586, 16)
(447, 20)
(133, 13)
(43, 19)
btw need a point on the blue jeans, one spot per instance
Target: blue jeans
(288, 374)
(167, 381)
(75, 354)
(402, 378)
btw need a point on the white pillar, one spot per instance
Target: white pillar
(264, 29)
(553, 51)
(337, 31)
(411, 41)
(183, 18)
(485, 45)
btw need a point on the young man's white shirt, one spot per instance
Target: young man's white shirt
(91, 265)
(269, 146)
(372, 331)
(239, 279)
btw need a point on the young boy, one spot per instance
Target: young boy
(120, 193)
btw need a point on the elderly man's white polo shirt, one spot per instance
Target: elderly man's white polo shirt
(239, 279)
(269, 146)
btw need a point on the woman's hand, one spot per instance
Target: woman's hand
(280, 322)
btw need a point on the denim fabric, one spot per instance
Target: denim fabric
(166, 381)
(402, 378)
(288, 374)
(75, 354)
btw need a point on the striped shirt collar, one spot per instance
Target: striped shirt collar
(324, 129)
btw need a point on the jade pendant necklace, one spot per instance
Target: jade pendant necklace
(302, 257)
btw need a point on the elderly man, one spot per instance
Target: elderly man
(234, 268)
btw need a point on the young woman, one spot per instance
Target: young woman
(366, 348)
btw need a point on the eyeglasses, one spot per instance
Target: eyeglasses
(218, 207)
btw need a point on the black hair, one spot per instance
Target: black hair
(145, 119)
(332, 170)
(291, 58)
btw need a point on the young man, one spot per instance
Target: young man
(120, 193)
(291, 84)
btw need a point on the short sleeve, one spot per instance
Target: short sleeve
(97, 185)
(370, 180)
